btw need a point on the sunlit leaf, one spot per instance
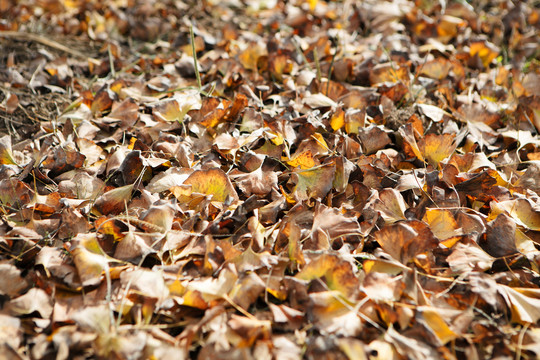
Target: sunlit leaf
(35, 300)
(436, 148)
(214, 288)
(436, 69)
(319, 100)
(471, 257)
(90, 259)
(442, 223)
(6, 157)
(337, 274)
(332, 315)
(381, 286)
(314, 183)
(391, 205)
(524, 303)
(438, 325)
(434, 113)
(522, 211)
(337, 120)
(486, 51)
(212, 182)
(113, 201)
(303, 160)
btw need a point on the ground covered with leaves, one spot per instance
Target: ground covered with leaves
(323, 179)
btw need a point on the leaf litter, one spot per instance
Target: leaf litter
(269, 179)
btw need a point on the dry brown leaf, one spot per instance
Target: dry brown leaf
(11, 282)
(113, 201)
(404, 240)
(35, 300)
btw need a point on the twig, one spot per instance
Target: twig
(47, 42)
(192, 37)
(238, 307)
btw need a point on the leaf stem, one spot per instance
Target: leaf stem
(317, 64)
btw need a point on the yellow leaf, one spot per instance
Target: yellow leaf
(321, 142)
(110, 226)
(182, 193)
(132, 142)
(312, 4)
(338, 120)
(194, 299)
(176, 288)
(441, 222)
(434, 320)
(6, 157)
(303, 160)
(383, 266)
(251, 55)
(485, 51)
(278, 139)
(436, 148)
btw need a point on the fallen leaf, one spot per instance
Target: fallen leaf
(303, 160)
(524, 303)
(522, 211)
(434, 113)
(11, 282)
(486, 51)
(314, 182)
(500, 238)
(35, 300)
(6, 156)
(212, 182)
(436, 148)
(391, 205)
(471, 257)
(113, 201)
(403, 241)
(90, 259)
(337, 274)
